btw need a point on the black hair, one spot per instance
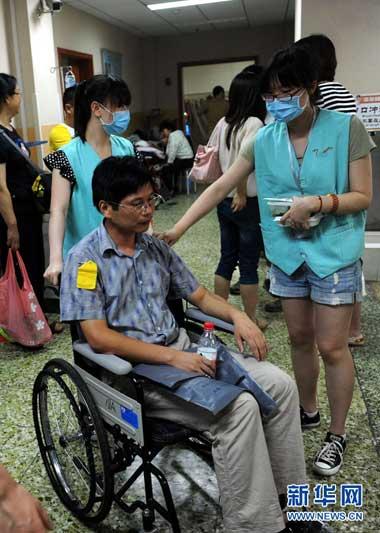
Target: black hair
(69, 96)
(142, 134)
(291, 67)
(107, 90)
(117, 177)
(244, 101)
(324, 53)
(254, 69)
(167, 125)
(218, 89)
(8, 85)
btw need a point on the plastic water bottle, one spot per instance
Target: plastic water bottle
(208, 345)
(70, 80)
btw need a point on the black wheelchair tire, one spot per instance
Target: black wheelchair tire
(54, 369)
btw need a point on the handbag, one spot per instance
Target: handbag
(206, 168)
(21, 316)
(41, 187)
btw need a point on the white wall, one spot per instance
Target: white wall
(353, 26)
(4, 55)
(79, 31)
(47, 94)
(202, 78)
(161, 55)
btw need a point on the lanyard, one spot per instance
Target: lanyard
(296, 172)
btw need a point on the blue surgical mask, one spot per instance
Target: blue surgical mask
(119, 124)
(286, 110)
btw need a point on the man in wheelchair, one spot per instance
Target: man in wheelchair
(116, 283)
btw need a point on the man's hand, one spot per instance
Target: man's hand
(13, 237)
(246, 330)
(193, 362)
(20, 512)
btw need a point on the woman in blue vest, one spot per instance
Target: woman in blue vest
(320, 159)
(101, 115)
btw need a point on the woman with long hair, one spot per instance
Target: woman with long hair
(101, 115)
(238, 213)
(321, 160)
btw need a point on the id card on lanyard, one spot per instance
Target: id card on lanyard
(296, 172)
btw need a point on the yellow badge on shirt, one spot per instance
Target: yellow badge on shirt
(87, 275)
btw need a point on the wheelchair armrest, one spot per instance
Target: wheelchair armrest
(197, 315)
(110, 362)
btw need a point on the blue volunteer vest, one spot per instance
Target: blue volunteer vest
(337, 241)
(82, 215)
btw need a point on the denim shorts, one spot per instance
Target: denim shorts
(343, 287)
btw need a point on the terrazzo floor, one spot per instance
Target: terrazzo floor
(192, 480)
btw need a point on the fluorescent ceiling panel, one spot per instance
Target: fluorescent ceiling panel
(182, 3)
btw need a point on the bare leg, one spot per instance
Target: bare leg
(221, 286)
(332, 326)
(299, 317)
(249, 295)
(355, 326)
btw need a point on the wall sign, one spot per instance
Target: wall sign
(112, 63)
(368, 110)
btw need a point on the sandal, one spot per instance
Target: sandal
(356, 341)
(56, 327)
(261, 323)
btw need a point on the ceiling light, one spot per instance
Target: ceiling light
(182, 3)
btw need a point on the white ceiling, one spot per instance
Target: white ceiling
(134, 16)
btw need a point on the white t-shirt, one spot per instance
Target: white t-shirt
(178, 147)
(228, 156)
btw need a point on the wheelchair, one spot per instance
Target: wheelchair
(88, 431)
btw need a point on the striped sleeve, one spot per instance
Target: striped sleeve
(335, 97)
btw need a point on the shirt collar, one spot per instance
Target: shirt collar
(107, 244)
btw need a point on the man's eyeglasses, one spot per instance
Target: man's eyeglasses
(282, 97)
(141, 206)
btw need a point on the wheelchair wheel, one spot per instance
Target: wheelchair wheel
(73, 442)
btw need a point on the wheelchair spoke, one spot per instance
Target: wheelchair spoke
(71, 459)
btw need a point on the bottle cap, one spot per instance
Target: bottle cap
(208, 326)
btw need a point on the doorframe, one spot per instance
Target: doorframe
(79, 55)
(180, 66)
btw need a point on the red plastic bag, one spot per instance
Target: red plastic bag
(20, 313)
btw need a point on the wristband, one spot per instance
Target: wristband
(335, 202)
(319, 210)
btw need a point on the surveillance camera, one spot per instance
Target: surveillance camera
(49, 6)
(55, 5)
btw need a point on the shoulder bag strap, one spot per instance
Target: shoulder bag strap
(15, 147)
(214, 139)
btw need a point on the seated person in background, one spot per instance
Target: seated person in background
(180, 155)
(123, 310)
(62, 134)
(216, 108)
(19, 510)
